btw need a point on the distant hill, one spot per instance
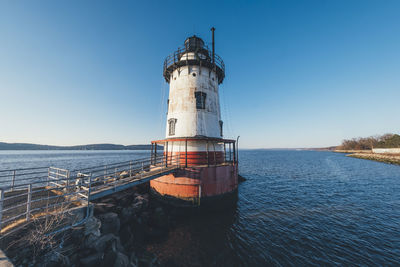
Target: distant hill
(25, 146)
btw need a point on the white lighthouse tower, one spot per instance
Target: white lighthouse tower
(194, 130)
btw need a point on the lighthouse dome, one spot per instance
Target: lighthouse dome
(194, 43)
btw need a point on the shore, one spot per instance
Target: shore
(367, 154)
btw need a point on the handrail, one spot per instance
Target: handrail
(62, 186)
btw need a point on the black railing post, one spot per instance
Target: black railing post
(234, 153)
(186, 161)
(166, 155)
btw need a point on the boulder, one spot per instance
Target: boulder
(116, 259)
(100, 208)
(55, 259)
(159, 218)
(92, 260)
(127, 215)
(106, 242)
(126, 236)
(148, 259)
(121, 260)
(109, 223)
(92, 226)
(140, 203)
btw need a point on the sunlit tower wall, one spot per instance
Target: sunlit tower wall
(194, 129)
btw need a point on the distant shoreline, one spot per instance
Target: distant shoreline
(368, 155)
(26, 146)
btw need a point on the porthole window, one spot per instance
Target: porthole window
(194, 74)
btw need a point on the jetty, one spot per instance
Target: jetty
(33, 193)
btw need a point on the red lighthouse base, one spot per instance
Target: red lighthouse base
(202, 177)
(197, 185)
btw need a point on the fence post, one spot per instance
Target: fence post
(141, 173)
(1, 205)
(28, 203)
(13, 181)
(105, 173)
(89, 190)
(48, 176)
(68, 175)
(130, 168)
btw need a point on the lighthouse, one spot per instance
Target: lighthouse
(208, 169)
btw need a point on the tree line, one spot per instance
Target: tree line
(365, 143)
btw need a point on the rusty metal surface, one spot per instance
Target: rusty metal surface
(197, 182)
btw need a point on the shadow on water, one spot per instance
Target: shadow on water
(198, 237)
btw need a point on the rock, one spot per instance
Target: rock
(92, 260)
(123, 198)
(145, 217)
(148, 259)
(121, 260)
(126, 236)
(92, 226)
(140, 203)
(241, 178)
(124, 174)
(90, 240)
(55, 259)
(159, 218)
(100, 208)
(116, 259)
(133, 259)
(127, 215)
(156, 233)
(106, 241)
(109, 223)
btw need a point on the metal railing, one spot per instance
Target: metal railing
(205, 56)
(27, 194)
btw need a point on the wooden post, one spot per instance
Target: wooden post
(130, 166)
(1, 205)
(28, 203)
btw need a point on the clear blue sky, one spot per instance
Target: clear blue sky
(299, 73)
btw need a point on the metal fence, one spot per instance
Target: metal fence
(31, 193)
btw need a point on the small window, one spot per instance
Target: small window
(194, 74)
(200, 100)
(167, 105)
(171, 126)
(221, 123)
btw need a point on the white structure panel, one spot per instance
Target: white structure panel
(191, 121)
